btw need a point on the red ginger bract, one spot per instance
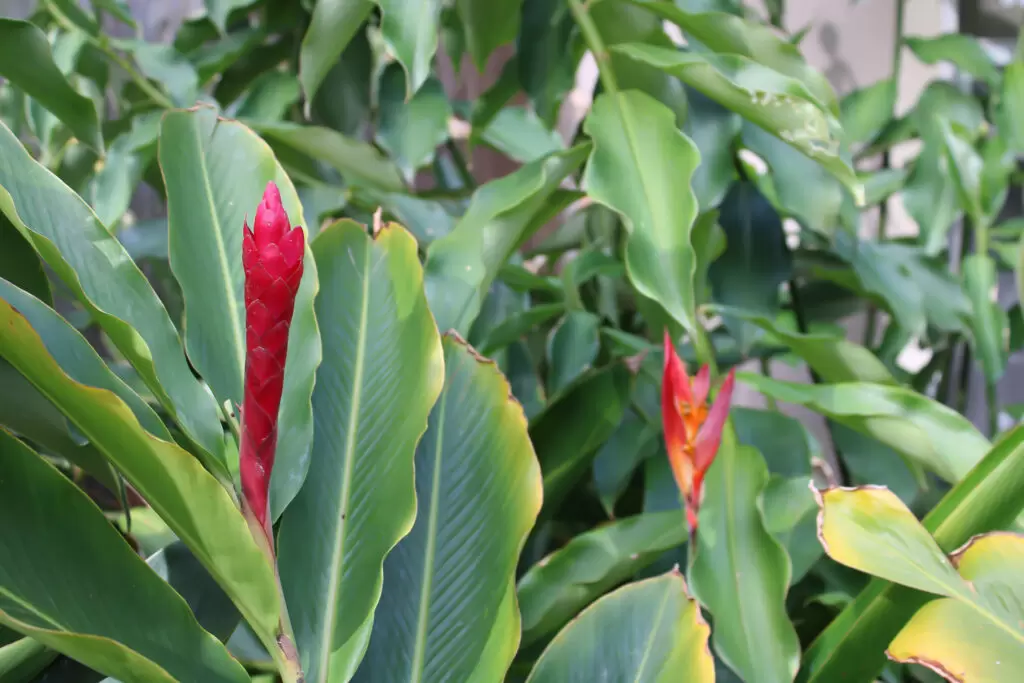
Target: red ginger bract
(693, 432)
(272, 252)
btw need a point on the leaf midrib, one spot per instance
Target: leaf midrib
(334, 586)
(650, 641)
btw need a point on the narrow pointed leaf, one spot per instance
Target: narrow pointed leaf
(502, 214)
(989, 322)
(740, 573)
(646, 632)
(410, 30)
(20, 265)
(488, 24)
(962, 50)
(410, 130)
(208, 201)
(642, 167)
(381, 373)
(332, 26)
(478, 494)
(22, 660)
(100, 273)
(146, 634)
(572, 348)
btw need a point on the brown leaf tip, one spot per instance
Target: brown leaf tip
(935, 666)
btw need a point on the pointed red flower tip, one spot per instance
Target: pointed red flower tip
(693, 433)
(272, 252)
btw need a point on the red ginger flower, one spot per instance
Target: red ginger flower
(692, 431)
(272, 254)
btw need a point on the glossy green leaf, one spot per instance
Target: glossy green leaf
(647, 632)
(740, 573)
(713, 128)
(1011, 105)
(781, 105)
(502, 214)
(26, 60)
(358, 162)
(194, 505)
(633, 441)
(332, 26)
(168, 67)
(411, 130)
(554, 590)
(148, 629)
(926, 431)
(988, 498)
(208, 201)
(410, 29)
(478, 494)
(343, 101)
(865, 111)
(99, 272)
(519, 134)
(19, 263)
(112, 188)
(790, 515)
(488, 24)
(358, 499)
(574, 424)
(518, 325)
(989, 322)
(147, 530)
(572, 348)
(641, 168)
(834, 358)
(270, 99)
(964, 51)
(786, 444)
(547, 55)
(23, 659)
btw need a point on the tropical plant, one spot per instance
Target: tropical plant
(348, 408)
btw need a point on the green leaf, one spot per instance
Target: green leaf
(333, 25)
(1010, 112)
(23, 659)
(101, 275)
(19, 263)
(518, 325)
(641, 168)
(787, 446)
(554, 590)
(964, 51)
(574, 424)
(926, 431)
(740, 573)
(411, 130)
(866, 111)
(27, 62)
(270, 99)
(547, 55)
(790, 515)
(168, 67)
(343, 101)
(208, 201)
(645, 632)
(988, 498)
(572, 348)
(519, 134)
(478, 494)
(410, 29)
(194, 505)
(382, 371)
(781, 105)
(834, 358)
(881, 184)
(943, 100)
(145, 631)
(358, 162)
(501, 216)
(713, 128)
(112, 188)
(989, 322)
(632, 442)
(218, 11)
(871, 462)
(488, 24)
(755, 263)
(966, 168)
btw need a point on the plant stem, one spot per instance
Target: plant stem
(766, 370)
(592, 37)
(460, 165)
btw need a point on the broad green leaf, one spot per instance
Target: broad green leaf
(988, 498)
(382, 371)
(502, 214)
(755, 263)
(168, 67)
(488, 24)
(27, 62)
(790, 515)
(881, 184)
(865, 111)
(270, 99)
(785, 443)
(20, 265)
(1011, 105)
(633, 441)
(410, 130)
(208, 201)
(194, 505)
(23, 659)
(728, 34)
(519, 134)
(944, 100)
(713, 128)
(981, 638)
(111, 190)
(99, 272)
(218, 11)
(647, 632)
(781, 105)
(478, 494)
(547, 55)
(740, 573)
(521, 371)
(146, 630)
(641, 168)
(964, 51)
(572, 348)
(343, 100)
(518, 325)
(358, 162)
(708, 240)
(834, 358)
(870, 462)
(989, 322)
(574, 424)
(966, 168)
(147, 530)
(332, 26)
(410, 28)
(555, 589)
(924, 430)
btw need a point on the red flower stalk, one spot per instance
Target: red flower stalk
(693, 432)
(272, 254)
